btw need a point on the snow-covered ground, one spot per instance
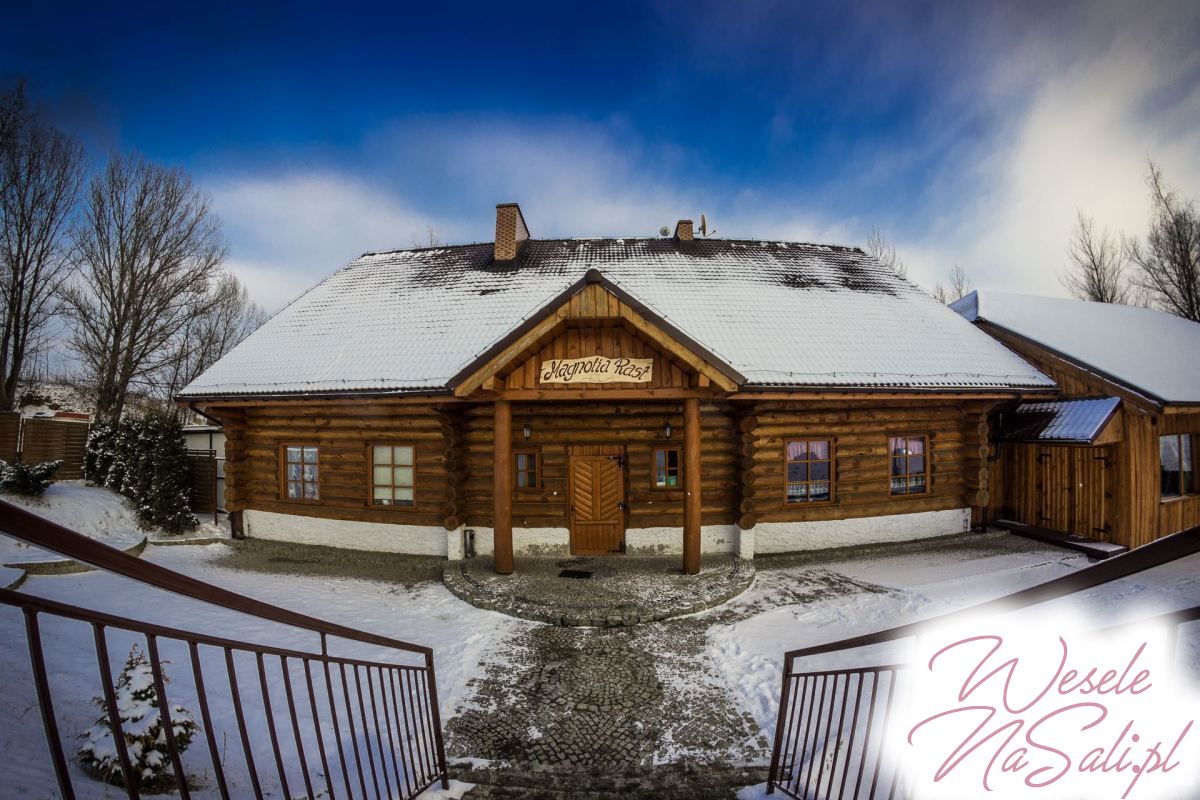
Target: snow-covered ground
(918, 586)
(924, 585)
(743, 649)
(94, 512)
(426, 614)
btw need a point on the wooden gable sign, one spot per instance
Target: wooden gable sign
(597, 369)
(595, 336)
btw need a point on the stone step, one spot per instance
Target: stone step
(660, 782)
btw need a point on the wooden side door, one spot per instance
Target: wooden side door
(1091, 473)
(1022, 483)
(597, 496)
(1055, 487)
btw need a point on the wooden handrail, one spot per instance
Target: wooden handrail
(1154, 554)
(41, 532)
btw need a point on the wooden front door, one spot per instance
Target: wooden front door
(597, 495)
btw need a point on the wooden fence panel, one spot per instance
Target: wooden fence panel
(55, 440)
(202, 482)
(10, 435)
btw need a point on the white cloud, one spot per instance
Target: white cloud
(289, 231)
(1092, 112)
(1073, 110)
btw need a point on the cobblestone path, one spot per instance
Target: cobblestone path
(618, 699)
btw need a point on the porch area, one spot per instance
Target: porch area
(599, 591)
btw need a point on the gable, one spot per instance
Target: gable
(597, 323)
(597, 355)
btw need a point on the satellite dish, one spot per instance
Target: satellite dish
(664, 231)
(703, 226)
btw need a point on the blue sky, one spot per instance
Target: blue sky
(968, 133)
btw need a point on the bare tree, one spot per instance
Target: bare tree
(1168, 263)
(1097, 270)
(148, 249)
(882, 249)
(12, 110)
(230, 317)
(431, 239)
(960, 287)
(41, 170)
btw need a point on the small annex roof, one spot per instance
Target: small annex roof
(782, 314)
(1152, 353)
(1059, 421)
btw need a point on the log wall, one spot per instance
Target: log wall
(742, 458)
(860, 433)
(342, 433)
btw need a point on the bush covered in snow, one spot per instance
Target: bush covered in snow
(144, 734)
(31, 480)
(145, 459)
(100, 452)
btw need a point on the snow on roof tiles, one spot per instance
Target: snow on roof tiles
(1152, 352)
(1060, 420)
(781, 313)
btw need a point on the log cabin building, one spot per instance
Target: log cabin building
(591, 396)
(1114, 457)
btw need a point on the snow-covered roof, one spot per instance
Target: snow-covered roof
(780, 313)
(1153, 353)
(1060, 420)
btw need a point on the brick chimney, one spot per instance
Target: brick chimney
(511, 233)
(683, 230)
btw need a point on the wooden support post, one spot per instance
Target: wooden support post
(691, 485)
(502, 474)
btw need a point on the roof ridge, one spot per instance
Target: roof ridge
(750, 240)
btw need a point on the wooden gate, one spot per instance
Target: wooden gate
(10, 435)
(202, 482)
(597, 492)
(1073, 491)
(1062, 488)
(55, 440)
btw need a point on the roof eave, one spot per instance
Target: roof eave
(301, 394)
(834, 388)
(1152, 400)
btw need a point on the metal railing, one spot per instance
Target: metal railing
(357, 727)
(830, 731)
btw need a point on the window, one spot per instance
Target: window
(528, 466)
(392, 475)
(809, 471)
(666, 467)
(1177, 458)
(300, 472)
(910, 466)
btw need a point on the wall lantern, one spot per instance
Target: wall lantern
(527, 431)
(667, 430)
